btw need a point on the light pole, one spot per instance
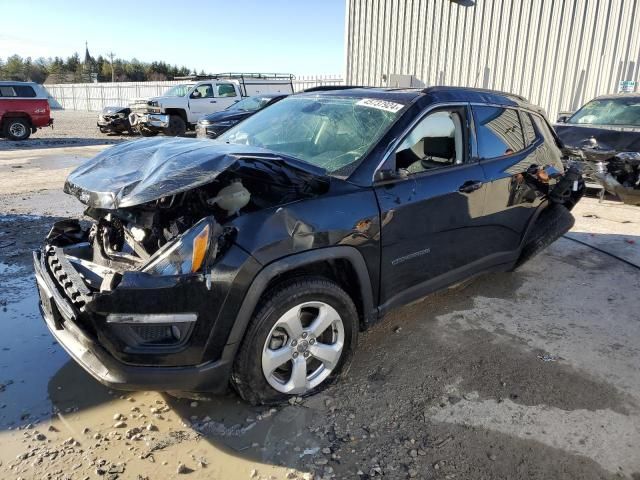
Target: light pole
(111, 55)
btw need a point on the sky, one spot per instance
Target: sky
(285, 36)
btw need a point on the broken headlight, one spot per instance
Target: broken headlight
(187, 253)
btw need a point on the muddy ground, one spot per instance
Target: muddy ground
(532, 374)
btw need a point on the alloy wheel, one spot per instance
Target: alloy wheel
(303, 348)
(17, 130)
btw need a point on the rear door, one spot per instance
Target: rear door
(430, 218)
(508, 146)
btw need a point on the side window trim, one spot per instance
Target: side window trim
(395, 143)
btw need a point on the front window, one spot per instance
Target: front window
(178, 91)
(202, 91)
(436, 141)
(614, 111)
(330, 132)
(250, 104)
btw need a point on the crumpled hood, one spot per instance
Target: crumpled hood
(141, 171)
(599, 143)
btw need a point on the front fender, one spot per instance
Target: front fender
(283, 265)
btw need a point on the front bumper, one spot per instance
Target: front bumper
(155, 120)
(71, 326)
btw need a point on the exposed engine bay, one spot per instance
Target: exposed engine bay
(145, 236)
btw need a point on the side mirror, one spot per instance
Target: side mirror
(562, 119)
(196, 94)
(388, 175)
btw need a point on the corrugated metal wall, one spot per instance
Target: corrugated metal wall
(557, 53)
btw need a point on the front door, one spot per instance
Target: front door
(202, 102)
(431, 218)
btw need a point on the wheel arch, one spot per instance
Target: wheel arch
(346, 261)
(11, 115)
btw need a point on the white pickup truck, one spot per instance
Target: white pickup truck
(183, 105)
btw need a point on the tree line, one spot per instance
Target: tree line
(74, 70)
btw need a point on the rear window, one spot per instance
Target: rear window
(25, 91)
(498, 131)
(17, 91)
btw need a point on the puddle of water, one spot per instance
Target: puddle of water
(29, 358)
(43, 387)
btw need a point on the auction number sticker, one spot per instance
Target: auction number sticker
(385, 105)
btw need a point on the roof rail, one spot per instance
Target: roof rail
(483, 90)
(239, 75)
(325, 88)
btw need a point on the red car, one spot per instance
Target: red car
(24, 108)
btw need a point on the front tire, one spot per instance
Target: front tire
(17, 129)
(301, 337)
(177, 127)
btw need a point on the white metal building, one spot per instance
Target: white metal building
(557, 53)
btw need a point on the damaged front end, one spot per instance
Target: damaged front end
(620, 175)
(142, 285)
(610, 157)
(114, 120)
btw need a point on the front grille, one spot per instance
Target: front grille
(67, 277)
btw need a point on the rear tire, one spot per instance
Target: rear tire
(177, 127)
(329, 329)
(554, 222)
(17, 129)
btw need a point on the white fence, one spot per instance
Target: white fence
(96, 96)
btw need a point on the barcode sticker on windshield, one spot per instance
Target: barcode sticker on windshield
(385, 105)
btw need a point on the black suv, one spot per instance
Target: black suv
(257, 258)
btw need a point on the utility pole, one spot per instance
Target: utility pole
(111, 55)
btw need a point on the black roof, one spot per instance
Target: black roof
(439, 93)
(403, 95)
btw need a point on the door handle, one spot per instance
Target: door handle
(212, 101)
(470, 186)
